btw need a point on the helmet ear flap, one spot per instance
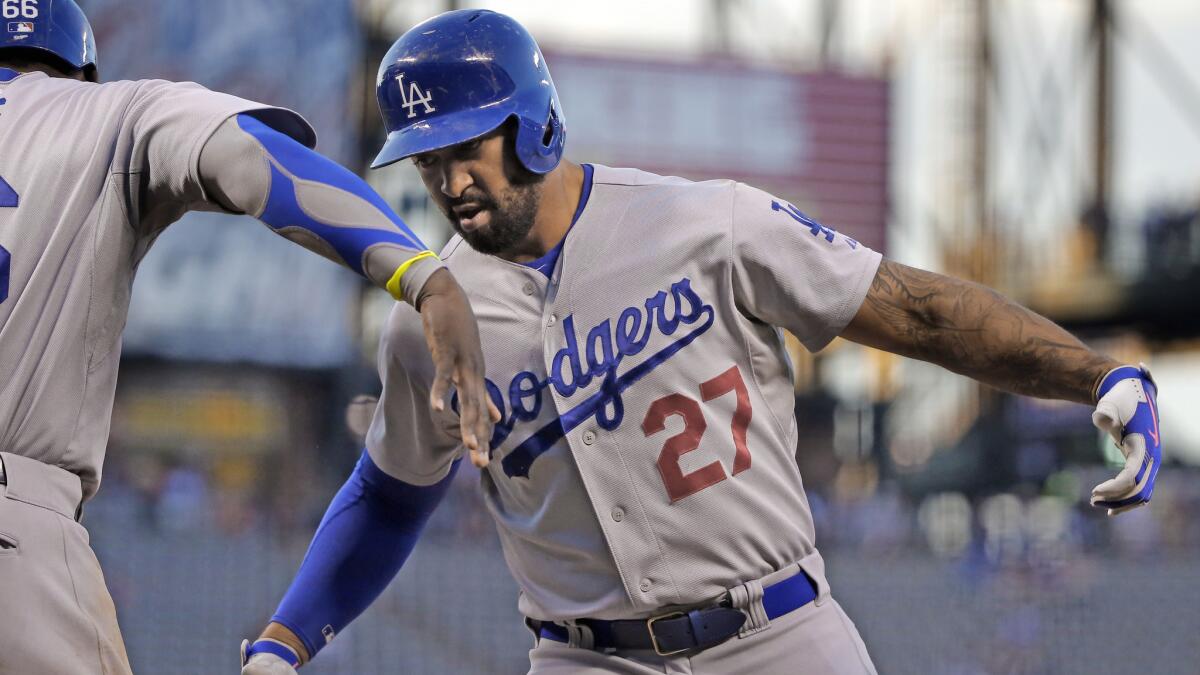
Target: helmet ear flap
(540, 145)
(553, 126)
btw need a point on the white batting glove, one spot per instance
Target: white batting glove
(268, 657)
(1128, 412)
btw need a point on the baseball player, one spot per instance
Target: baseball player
(643, 480)
(90, 174)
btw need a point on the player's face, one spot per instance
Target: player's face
(489, 198)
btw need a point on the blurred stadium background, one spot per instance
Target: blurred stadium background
(1045, 147)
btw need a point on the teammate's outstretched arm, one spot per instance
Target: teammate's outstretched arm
(249, 167)
(974, 331)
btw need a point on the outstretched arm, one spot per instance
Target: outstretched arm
(974, 331)
(367, 533)
(248, 167)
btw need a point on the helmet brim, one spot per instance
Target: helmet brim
(435, 133)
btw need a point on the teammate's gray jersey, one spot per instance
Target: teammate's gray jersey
(98, 171)
(647, 452)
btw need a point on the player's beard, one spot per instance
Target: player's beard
(510, 218)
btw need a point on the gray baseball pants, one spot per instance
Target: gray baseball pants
(816, 639)
(59, 618)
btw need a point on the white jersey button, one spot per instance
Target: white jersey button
(645, 585)
(618, 514)
(589, 437)
(528, 288)
(551, 320)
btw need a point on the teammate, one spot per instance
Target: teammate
(644, 483)
(90, 174)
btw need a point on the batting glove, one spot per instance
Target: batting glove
(268, 657)
(1127, 411)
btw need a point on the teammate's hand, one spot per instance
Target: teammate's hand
(453, 339)
(267, 663)
(1128, 412)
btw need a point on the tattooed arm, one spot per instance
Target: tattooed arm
(974, 331)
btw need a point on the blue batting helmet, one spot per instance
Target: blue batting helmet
(56, 27)
(462, 74)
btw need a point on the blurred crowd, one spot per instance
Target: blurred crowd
(1048, 525)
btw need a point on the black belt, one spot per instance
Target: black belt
(678, 632)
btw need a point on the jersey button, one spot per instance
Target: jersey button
(645, 585)
(551, 320)
(528, 288)
(618, 514)
(589, 437)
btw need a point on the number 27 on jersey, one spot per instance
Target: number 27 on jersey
(678, 483)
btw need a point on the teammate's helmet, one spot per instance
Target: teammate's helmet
(462, 74)
(55, 27)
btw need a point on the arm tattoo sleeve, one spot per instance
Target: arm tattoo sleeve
(974, 331)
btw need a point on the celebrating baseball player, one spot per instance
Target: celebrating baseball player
(643, 480)
(90, 174)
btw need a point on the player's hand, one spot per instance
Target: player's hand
(1128, 412)
(453, 339)
(267, 663)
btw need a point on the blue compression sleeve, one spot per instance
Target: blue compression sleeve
(366, 535)
(291, 166)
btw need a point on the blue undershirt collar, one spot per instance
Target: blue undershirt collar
(8, 75)
(546, 263)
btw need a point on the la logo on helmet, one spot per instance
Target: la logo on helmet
(414, 97)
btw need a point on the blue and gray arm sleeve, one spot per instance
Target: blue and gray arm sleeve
(249, 167)
(366, 535)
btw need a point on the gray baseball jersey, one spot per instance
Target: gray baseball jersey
(89, 176)
(647, 453)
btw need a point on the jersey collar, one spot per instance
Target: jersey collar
(546, 263)
(584, 194)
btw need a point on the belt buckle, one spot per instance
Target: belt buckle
(654, 639)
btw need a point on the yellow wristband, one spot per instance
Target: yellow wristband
(393, 284)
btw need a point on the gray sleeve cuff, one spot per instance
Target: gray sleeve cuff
(415, 277)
